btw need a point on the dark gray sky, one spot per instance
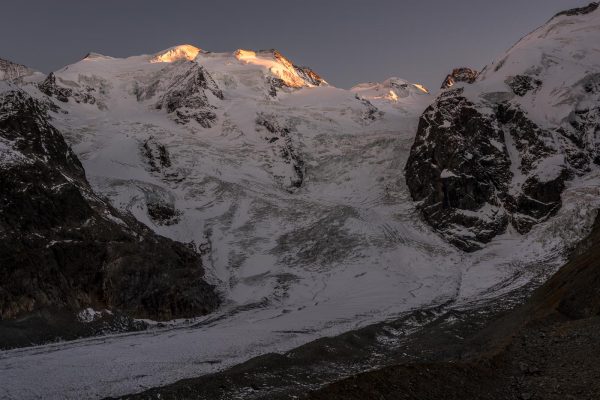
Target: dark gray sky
(346, 41)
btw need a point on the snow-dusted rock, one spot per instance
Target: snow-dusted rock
(513, 136)
(462, 74)
(10, 71)
(185, 95)
(86, 90)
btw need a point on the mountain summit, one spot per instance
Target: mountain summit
(177, 53)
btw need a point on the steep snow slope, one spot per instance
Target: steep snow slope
(293, 191)
(495, 154)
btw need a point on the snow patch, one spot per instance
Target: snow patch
(88, 315)
(446, 173)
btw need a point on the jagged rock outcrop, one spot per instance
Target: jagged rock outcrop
(499, 154)
(521, 84)
(185, 95)
(274, 84)
(579, 10)
(462, 74)
(461, 172)
(288, 168)
(156, 154)
(51, 89)
(10, 71)
(306, 75)
(85, 91)
(62, 247)
(310, 76)
(371, 112)
(282, 74)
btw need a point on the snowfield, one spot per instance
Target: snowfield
(292, 189)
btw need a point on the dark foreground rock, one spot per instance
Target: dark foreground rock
(63, 247)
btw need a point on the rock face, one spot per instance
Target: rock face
(186, 95)
(496, 151)
(310, 76)
(86, 91)
(63, 247)
(51, 89)
(463, 74)
(10, 71)
(279, 73)
(291, 173)
(460, 170)
(521, 84)
(306, 75)
(579, 11)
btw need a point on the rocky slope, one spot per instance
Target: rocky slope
(63, 247)
(496, 150)
(10, 71)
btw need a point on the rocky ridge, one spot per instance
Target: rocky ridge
(10, 71)
(462, 74)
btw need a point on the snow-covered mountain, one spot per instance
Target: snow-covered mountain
(293, 192)
(499, 152)
(245, 156)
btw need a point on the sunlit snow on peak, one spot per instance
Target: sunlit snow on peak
(95, 56)
(421, 87)
(392, 90)
(276, 63)
(181, 52)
